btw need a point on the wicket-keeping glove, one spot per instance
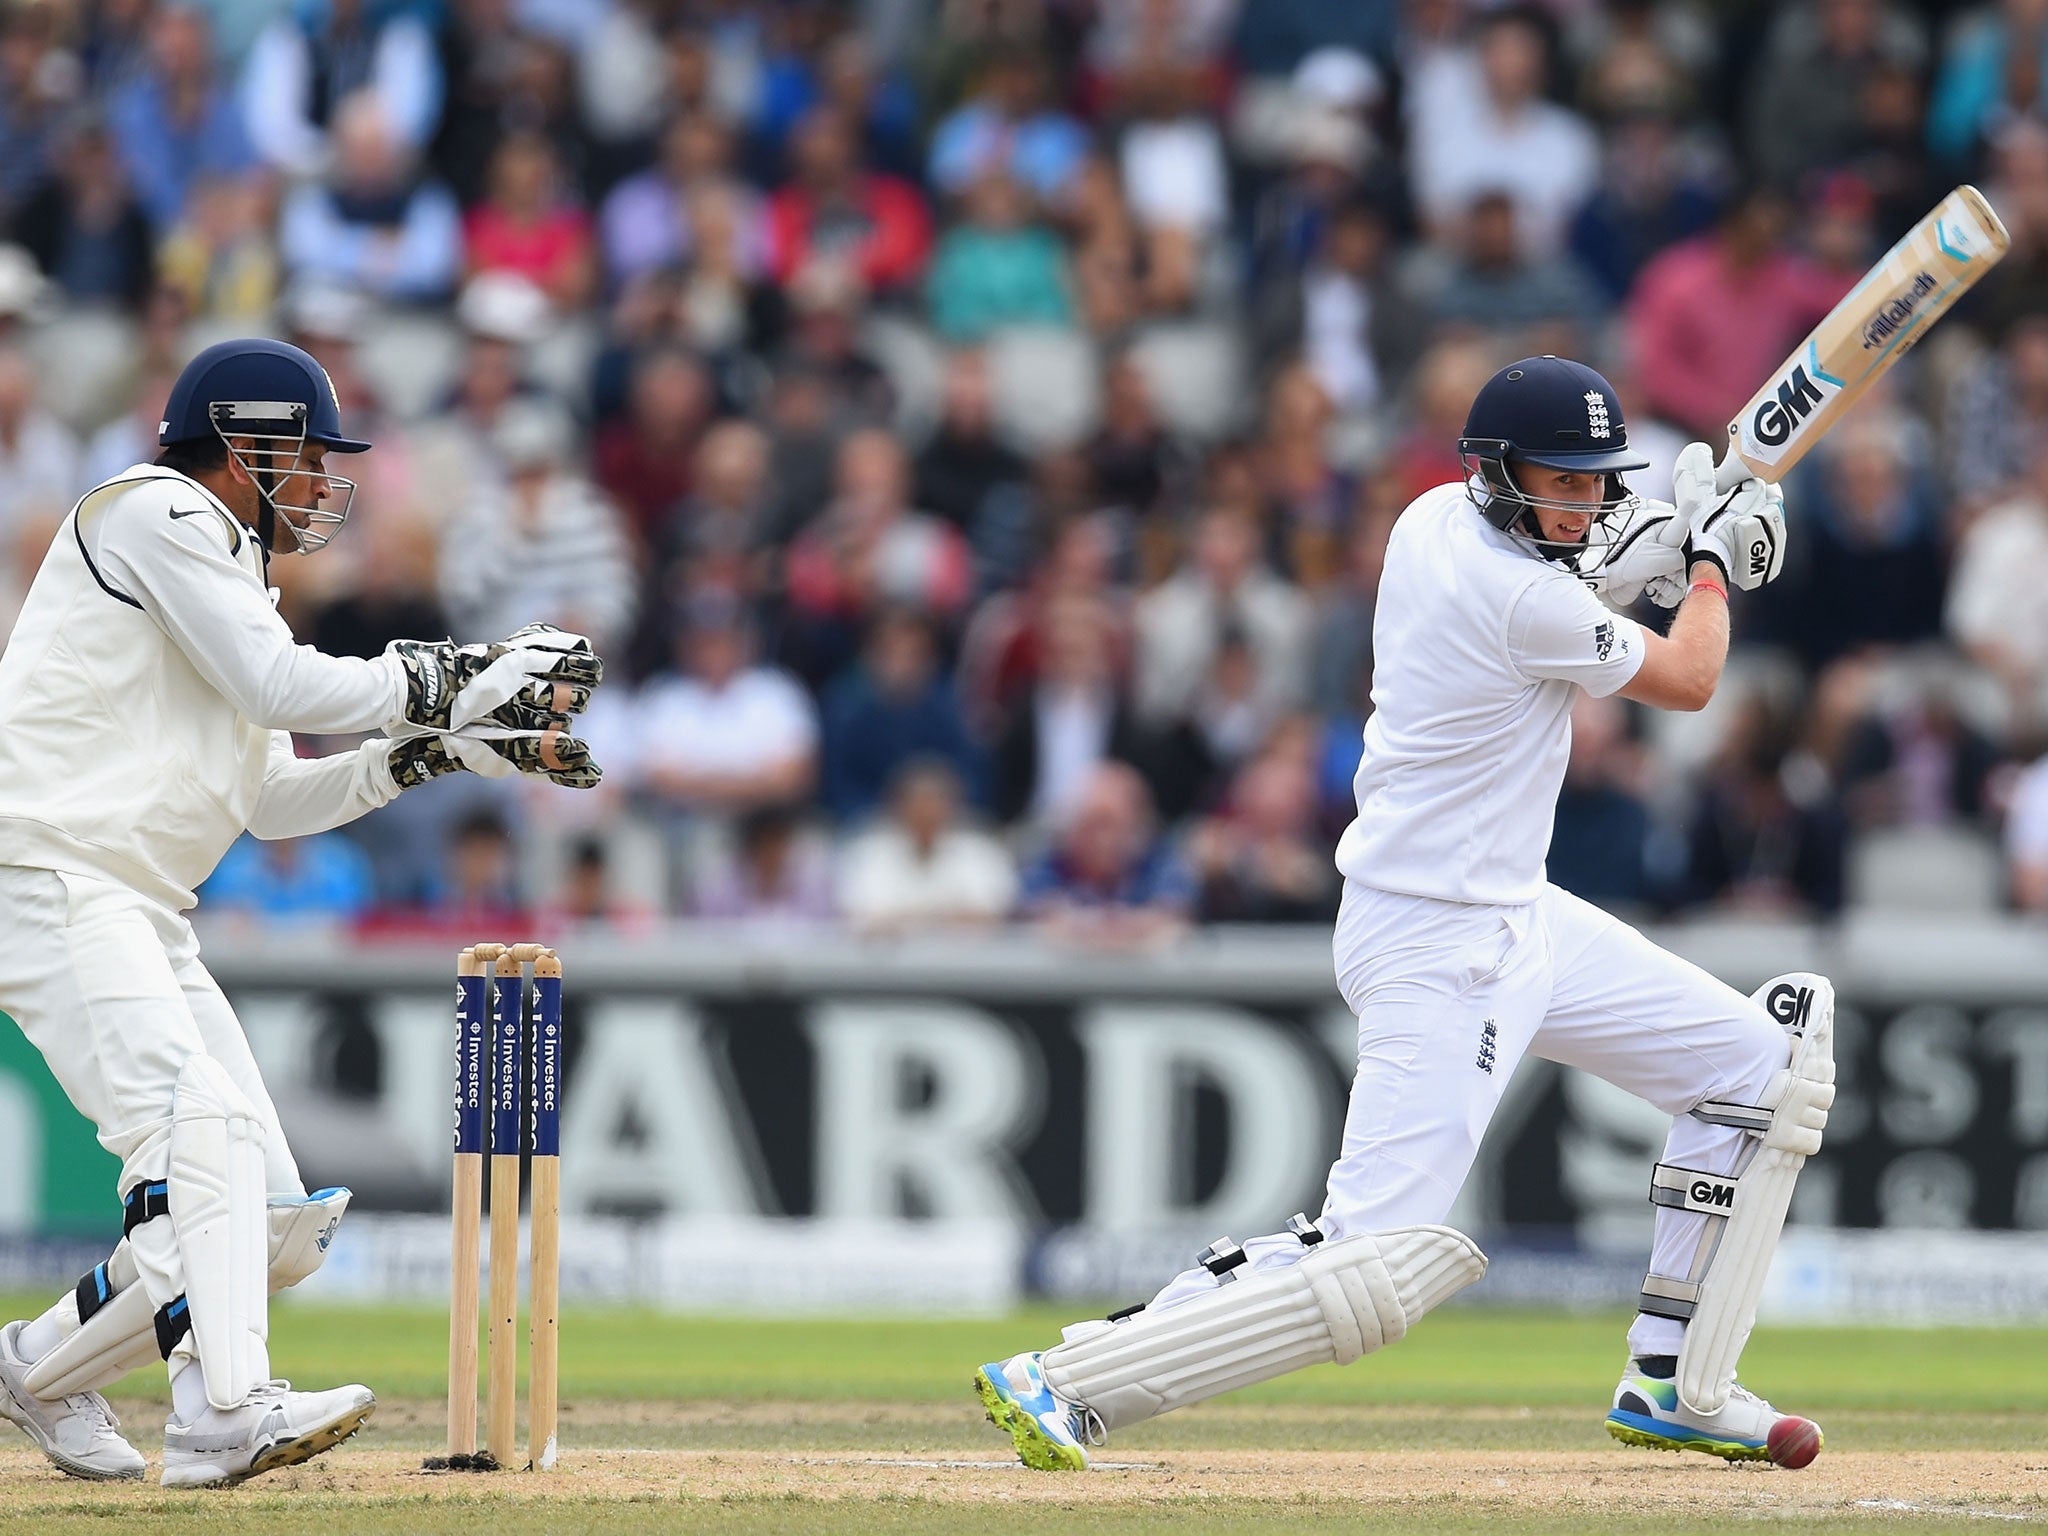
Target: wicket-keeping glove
(521, 683)
(497, 753)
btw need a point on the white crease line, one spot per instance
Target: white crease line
(1903, 1506)
(982, 1466)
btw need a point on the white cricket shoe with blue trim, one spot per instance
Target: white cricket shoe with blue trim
(1048, 1431)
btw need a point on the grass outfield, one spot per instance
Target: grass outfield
(1481, 1421)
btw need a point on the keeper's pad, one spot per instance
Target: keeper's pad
(218, 1213)
(1342, 1300)
(107, 1324)
(301, 1227)
(1745, 1210)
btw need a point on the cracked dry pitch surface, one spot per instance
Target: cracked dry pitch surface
(878, 1453)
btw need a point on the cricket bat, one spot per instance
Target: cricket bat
(1894, 305)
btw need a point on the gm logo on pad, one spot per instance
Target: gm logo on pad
(1710, 1195)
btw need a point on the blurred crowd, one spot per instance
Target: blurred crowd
(972, 428)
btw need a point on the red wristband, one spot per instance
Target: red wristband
(1703, 585)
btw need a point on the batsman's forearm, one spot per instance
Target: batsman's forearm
(1681, 670)
(1700, 631)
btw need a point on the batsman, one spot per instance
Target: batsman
(1459, 958)
(147, 700)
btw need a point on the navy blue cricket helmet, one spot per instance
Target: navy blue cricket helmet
(1552, 413)
(278, 396)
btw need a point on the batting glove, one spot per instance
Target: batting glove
(1639, 562)
(1743, 531)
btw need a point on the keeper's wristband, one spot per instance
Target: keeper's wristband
(1704, 585)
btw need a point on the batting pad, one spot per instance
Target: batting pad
(108, 1329)
(1344, 1299)
(1731, 1264)
(116, 1336)
(218, 1212)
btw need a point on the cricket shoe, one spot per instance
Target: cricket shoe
(1647, 1412)
(76, 1432)
(276, 1427)
(1047, 1430)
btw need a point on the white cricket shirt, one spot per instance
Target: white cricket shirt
(761, 718)
(148, 693)
(1479, 645)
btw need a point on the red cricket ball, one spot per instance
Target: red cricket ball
(1793, 1442)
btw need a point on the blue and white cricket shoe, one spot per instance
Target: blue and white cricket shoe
(1647, 1411)
(1048, 1431)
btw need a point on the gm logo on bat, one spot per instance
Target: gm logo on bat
(1778, 413)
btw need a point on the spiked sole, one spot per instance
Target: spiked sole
(289, 1453)
(1035, 1448)
(1728, 1450)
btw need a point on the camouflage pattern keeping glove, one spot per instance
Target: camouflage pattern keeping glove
(550, 753)
(496, 753)
(416, 759)
(521, 683)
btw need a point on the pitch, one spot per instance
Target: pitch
(1483, 1421)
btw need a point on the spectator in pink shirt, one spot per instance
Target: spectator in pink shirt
(835, 210)
(1710, 317)
(527, 224)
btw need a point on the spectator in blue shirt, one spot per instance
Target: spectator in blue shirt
(801, 75)
(374, 225)
(34, 96)
(85, 226)
(173, 122)
(323, 878)
(1008, 125)
(1599, 843)
(892, 707)
(1111, 880)
(1654, 192)
(315, 54)
(1273, 36)
(1870, 568)
(1991, 73)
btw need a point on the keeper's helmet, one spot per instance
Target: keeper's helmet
(1552, 413)
(281, 399)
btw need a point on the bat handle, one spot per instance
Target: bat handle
(1730, 472)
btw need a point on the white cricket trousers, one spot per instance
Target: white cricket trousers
(1450, 997)
(109, 986)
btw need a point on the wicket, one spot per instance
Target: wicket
(494, 1069)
